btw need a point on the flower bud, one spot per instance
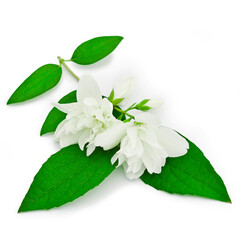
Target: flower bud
(148, 104)
(153, 103)
(123, 88)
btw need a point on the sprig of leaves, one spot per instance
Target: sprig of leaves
(48, 76)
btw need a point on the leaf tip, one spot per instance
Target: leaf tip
(120, 38)
(24, 208)
(42, 132)
(10, 101)
(20, 210)
(229, 200)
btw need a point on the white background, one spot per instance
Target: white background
(187, 53)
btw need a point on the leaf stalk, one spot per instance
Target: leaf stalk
(62, 62)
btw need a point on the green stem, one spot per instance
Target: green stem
(124, 112)
(62, 62)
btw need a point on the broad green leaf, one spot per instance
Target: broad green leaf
(191, 174)
(95, 49)
(55, 116)
(40, 81)
(65, 176)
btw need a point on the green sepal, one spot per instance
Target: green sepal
(141, 106)
(65, 176)
(115, 102)
(111, 96)
(191, 174)
(39, 82)
(95, 49)
(144, 108)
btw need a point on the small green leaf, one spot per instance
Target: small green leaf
(117, 101)
(191, 174)
(143, 102)
(40, 81)
(141, 106)
(95, 49)
(65, 176)
(55, 116)
(111, 97)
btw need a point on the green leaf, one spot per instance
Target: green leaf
(142, 103)
(117, 101)
(95, 49)
(191, 174)
(55, 116)
(40, 81)
(141, 106)
(65, 176)
(111, 96)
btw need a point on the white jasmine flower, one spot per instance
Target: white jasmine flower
(86, 118)
(153, 103)
(123, 88)
(144, 144)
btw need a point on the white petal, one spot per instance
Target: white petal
(71, 126)
(139, 148)
(90, 148)
(88, 88)
(122, 158)
(60, 129)
(66, 140)
(131, 175)
(149, 162)
(153, 157)
(90, 101)
(148, 118)
(135, 164)
(83, 137)
(132, 133)
(148, 134)
(67, 107)
(106, 107)
(124, 87)
(159, 166)
(172, 142)
(115, 157)
(112, 137)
